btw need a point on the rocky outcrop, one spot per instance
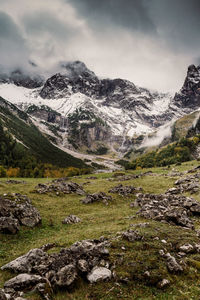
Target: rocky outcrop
(16, 210)
(174, 209)
(125, 190)
(87, 259)
(97, 197)
(59, 187)
(189, 95)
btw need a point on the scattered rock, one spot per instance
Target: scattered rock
(43, 272)
(99, 274)
(132, 235)
(15, 210)
(163, 283)
(59, 186)
(172, 264)
(11, 181)
(187, 248)
(175, 209)
(92, 177)
(125, 190)
(97, 197)
(71, 219)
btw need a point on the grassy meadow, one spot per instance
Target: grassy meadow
(132, 259)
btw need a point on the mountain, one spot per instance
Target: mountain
(18, 125)
(81, 112)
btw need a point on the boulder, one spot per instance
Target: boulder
(28, 262)
(97, 197)
(23, 282)
(66, 276)
(9, 225)
(71, 219)
(99, 274)
(18, 210)
(172, 264)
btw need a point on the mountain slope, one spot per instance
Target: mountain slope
(20, 126)
(82, 112)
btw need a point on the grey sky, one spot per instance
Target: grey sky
(150, 42)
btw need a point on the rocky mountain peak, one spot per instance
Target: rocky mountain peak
(189, 95)
(75, 69)
(22, 78)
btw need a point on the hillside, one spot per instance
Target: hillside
(32, 141)
(137, 246)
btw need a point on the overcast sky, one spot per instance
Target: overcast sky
(150, 42)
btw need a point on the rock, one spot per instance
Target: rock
(71, 219)
(97, 197)
(99, 274)
(187, 248)
(82, 265)
(23, 282)
(66, 276)
(19, 208)
(59, 186)
(175, 209)
(28, 262)
(9, 225)
(172, 264)
(125, 190)
(132, 236)
(163, 283)
(2, 295)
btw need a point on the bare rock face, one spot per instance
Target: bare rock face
(99, 274)
(97, 197)
(189, 95)
(175, 209)
(71, 219)
(15, 210)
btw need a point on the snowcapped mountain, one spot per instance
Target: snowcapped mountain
(81, 111)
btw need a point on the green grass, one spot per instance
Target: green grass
(98, 220)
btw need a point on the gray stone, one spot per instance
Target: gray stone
(172, 264)
(71, 219)
(28, 262)
(23, 282)
(2, 295)
(66, 276)
(9, 225)
(187, 248)
(99, 274)
(163, 283)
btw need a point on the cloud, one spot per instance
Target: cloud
(130, 14)
(13, 50)
(150, 42)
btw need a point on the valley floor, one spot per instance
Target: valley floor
(131, 259)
